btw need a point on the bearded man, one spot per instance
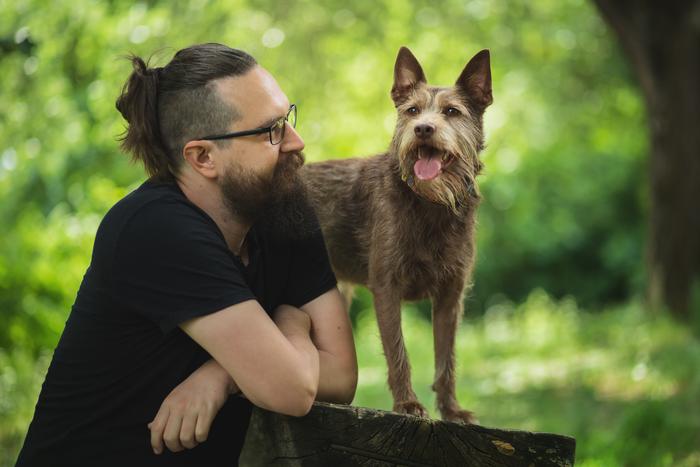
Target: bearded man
(209, 289)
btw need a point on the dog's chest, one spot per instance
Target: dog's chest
(426, 258)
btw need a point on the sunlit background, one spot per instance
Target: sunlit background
(555, 337)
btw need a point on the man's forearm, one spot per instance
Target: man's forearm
(212, 372)
(306, 350)
(218, 375)
(295, 325)
(336, 383)
(337, 379)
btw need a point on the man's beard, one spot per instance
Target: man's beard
(277, 205)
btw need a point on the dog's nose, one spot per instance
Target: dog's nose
(424, 130)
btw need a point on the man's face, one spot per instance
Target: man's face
(259, 101)
(260, 180)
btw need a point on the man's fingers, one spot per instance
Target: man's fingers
(204, 420)
(187, 431)
(171, 435)
(157, 426)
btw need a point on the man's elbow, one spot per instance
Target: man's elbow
(301, 403)
(347, 392)
(302, 409)
(344, 390)
(305, 399)
(295, 402)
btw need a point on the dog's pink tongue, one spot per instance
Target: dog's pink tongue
(427, 168)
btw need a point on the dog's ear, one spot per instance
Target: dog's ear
(407, 75)
(475, 80)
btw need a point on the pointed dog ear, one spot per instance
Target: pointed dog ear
(475, 80)
(407, 75)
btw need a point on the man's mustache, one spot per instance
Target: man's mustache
(287, 168)
(291, 161)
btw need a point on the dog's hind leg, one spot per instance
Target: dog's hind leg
(388, 306)
(447, 309)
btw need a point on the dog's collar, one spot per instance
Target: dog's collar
(411, 182)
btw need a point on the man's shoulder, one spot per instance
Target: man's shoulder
(164, 200)
(154, 210)
(164, 194)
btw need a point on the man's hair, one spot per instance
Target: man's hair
(169, 106)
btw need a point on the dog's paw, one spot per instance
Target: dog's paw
(464, 417)
(411, 408)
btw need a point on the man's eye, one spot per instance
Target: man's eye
(412, 110)
(451, 111)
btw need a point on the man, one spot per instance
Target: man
(210, 279)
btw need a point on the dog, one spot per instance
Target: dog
(402, 222)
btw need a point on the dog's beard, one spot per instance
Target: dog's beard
(454, 187)
(276, 204)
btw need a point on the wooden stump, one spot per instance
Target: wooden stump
(338, 435)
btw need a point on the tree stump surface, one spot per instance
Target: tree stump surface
(337, 435)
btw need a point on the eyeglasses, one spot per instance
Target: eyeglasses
(275, 131)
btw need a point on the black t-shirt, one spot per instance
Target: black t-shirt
(158, 260)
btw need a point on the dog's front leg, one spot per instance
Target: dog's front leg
(388, 306)
(447, 308)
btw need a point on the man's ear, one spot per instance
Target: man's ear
(197, 155)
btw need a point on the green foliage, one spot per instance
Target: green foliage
(564, 167)
(622, 382)
(563, 206)
(21, 375)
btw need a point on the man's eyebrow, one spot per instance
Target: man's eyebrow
(270, 121)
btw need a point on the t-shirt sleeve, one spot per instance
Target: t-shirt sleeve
(171, 264)
(310, 272)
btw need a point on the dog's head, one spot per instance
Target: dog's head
(439, 131)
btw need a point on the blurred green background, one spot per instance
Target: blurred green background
(555, 336)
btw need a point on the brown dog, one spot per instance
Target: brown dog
(402, 222)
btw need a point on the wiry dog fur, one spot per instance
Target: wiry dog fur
(406, 237)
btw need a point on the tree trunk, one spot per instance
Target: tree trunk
(662, 41)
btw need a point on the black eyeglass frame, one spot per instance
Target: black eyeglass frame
(279, 123)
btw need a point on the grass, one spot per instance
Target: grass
(623, 382)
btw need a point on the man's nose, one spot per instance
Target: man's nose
(292, 141)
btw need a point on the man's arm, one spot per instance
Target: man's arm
(185, 416)
(331, 333)
(322, 323)
(262, 356)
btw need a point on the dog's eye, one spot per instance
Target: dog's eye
(451, 111)
(412, 110)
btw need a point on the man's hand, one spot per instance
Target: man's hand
(185, 416)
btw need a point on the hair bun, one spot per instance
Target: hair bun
(140, 67)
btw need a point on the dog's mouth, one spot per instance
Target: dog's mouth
(431, 162)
